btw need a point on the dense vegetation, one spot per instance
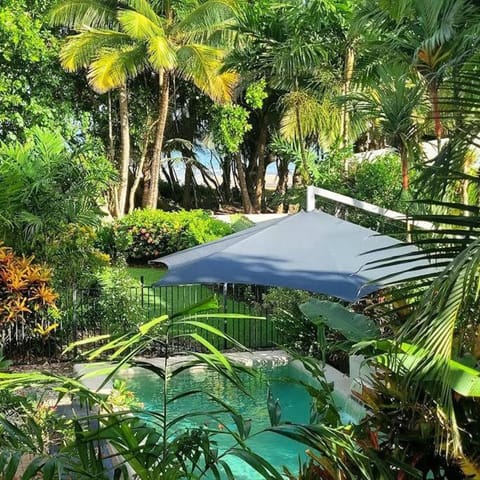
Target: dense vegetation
(147, 234)
(113, 112)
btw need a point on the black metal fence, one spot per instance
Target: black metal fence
(87, 313)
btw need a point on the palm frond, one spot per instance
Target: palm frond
(80, 50)
(161, 53)
(201, 64)
(147, 9)
(393, 103)
(84, 13)
(207, 19)
(318, 118)
(113, 67)
(140, 27)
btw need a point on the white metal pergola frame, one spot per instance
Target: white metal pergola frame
(313, 192)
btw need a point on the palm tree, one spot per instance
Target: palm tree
(90, 48)
(172, 39)
(392, 107)
(444, 327)
(293, 48)
(426, 34)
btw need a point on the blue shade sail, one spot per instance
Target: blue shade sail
(310, 251)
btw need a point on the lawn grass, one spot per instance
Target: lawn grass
(253, 333)
(150, 274)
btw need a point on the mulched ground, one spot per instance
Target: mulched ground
(58, 368)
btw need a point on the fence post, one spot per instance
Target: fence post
(74, 319)
(225, 324)
(142, 283)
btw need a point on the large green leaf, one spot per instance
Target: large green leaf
(352, 326)
(459, 377)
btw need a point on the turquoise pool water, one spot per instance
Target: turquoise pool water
(294, 401)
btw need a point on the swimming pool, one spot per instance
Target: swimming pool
(294, 400)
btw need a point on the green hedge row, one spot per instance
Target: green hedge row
(147, 234)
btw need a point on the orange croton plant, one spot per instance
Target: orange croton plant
(25, 292)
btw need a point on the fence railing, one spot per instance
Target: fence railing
(86, 313)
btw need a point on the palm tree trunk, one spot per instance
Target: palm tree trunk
(187, 187)
(304, 173)
(260, 177)
(347, 79)
(125, 152)
(227, 178)
(281, 190)
(404, 159)
(111, 138)
(436, 116)
(247, 204)
(139, 172)
(164, 83)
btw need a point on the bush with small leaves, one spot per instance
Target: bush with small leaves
(147, 234)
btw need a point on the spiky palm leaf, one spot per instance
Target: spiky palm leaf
(444, 323)
(318, 118)
(80, 50)
(79, 14)
(393, 103)
(113, 67)
(201, 64)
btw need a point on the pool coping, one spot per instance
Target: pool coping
(253, 359)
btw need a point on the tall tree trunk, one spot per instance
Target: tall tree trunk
(247, 204)
(347, 79)
(227, 178)
(261, 167)
(304, 171)
(163, 100)
(111, 138)
(436, 116)
(125, 151)
(404, 159)
(187, 187)
(141, 164)
(281, 189)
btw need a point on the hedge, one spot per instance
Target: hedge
(147, 234)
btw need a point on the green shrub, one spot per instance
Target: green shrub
(108, 305)
(379, 181)
(240, 222)
(117, 305)
(296, 331)
(147, 234)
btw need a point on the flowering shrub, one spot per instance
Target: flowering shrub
(24, 289)
(147, 234)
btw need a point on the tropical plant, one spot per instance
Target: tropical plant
(152, 444)
(438, 342)
(336, 449)
(393, 106)
(426, 34)
(46, 187)
(171, 39)
(403, 421)
(33, 90)
(148, 234)
(294, 330)
(27, 300)
(293, 49)
(112, 301)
